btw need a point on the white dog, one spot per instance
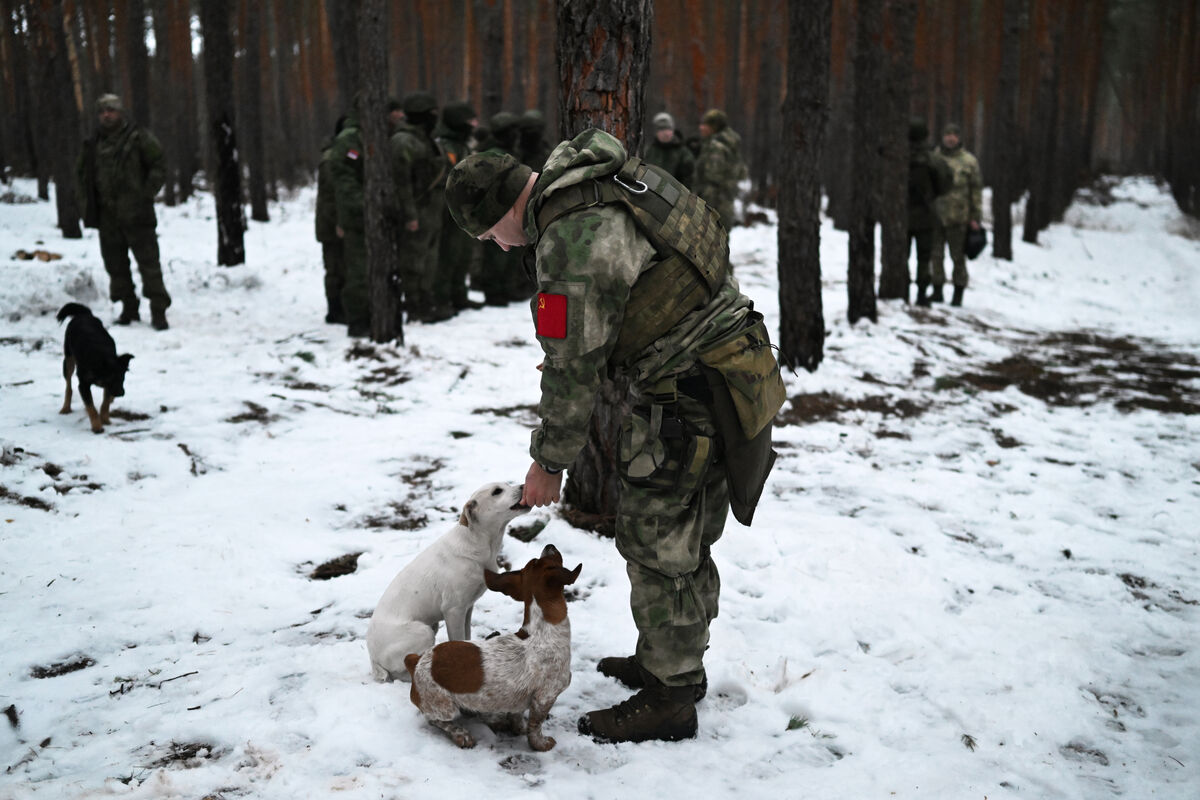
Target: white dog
(441, 583)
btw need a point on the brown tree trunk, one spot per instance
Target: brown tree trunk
(490, 26)
(138, 61)
(603, 59)
(897, 91)
(252, 127)
(60, 131)
(215, 19)
(1006, 123)
(343, 31)
(864, 165)
(805, 112)
(1038, 209)
(383, 260)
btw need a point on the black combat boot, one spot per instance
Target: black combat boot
(658, 712)
(937, 296)
(958, 294)
(335, 315)
(158, 319)
(922, 294)
(129, 312)
(628, 672)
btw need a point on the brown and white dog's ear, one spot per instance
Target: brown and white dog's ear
(563, 576)
(467, 517)
(509, 583)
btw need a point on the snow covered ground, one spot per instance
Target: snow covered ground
(974, 573)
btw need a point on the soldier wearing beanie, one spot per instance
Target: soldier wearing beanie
(120, 170)
(609, 303)
(719, 167)
(419, 168)
(960, 208)
(669, 151)
(457, 251)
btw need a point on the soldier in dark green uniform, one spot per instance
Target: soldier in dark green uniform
(327, 232)
(532, 144)
(668, 150)
(928, 178)
(644, 292)
(346, 158)
(419, 169)
(120, 171)
(719, 166)
(456, 250)
(502, 276)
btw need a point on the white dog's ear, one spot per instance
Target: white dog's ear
(509, 583)
(469, 512)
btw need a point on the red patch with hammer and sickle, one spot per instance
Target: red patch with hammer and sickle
(552, 316)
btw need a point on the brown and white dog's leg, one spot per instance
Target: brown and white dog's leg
(68, 371)
(537, 715)
(461, 736)
(85, 392)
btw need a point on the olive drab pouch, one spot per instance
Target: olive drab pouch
(660, 452)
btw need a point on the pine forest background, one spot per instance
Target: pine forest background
(1103, 86)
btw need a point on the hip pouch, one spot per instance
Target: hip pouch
(662, 453)
(747, 392)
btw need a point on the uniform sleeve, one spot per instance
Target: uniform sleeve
(975, 183)
(586, 264)
(401, 154)
(347, 193)
(155, 163)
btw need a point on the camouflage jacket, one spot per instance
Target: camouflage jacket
(453, 145)
(326, 222)
(346, 157)
(719, 167)
(963, 203)
(674, 157)
(419, 170)
(119, 174)
(586, 263)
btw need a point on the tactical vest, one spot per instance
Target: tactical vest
(687, 235)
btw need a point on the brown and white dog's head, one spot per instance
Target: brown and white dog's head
(493, 506)
(539, 584)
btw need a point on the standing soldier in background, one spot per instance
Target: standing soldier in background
(928, 178)
(502, 275)
(120, 171)
(719, 166)
(456, 250)
(327, 232)
(669, 152)
(346, 165)
(959, 208)
(533, 148)
(419, 171)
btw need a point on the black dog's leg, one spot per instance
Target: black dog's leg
(104, 418)
(85, 391)
(68, 371)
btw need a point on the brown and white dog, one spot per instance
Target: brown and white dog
(502, 677)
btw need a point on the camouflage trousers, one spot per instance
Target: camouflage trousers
(116, 242)
(955, 236)
(418, 263)
(355, 295)
(674, 501)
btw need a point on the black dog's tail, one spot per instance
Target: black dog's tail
(71, 309)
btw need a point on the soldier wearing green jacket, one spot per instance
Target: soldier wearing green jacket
(614, 297)
(719, 166)
(346, 163)
(327, 232)
(928, 179)
(959, 208)
(456, 250)
(120, 171)
(419, 170)
(668, 150)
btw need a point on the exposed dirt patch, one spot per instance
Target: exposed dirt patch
(62, 668)
(526, 415)
(337, 567)
(184, 754)
(828, 407)
(307, 386)
(129, 416)
(391, 375)
(254, 413)
(400, 516)
(24, 500)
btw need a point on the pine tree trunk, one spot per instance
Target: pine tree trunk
(60, 131)
(1038, 209)
(343, 30)
(253, 127)
(603, 59)
(897, 90)
(1003, 184)
(864, 166)
(139, 62)
(488, 18)
(218, 93)
(805, 113)
(383, 260)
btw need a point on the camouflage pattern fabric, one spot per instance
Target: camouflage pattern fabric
(963, 203)
(326, 216)
(674, 157)
(346, 159)
(955, 236)
(718, 170)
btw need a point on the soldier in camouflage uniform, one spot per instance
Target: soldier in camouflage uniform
(120, 171)
(502, 276)
(327, 232)
(719, 166)
(346, 157)
(592, 264)
(419, 169)
(668, 150)
(928, 178)
(456, 250)
(959, 208)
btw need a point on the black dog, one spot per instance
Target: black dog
(88, 348)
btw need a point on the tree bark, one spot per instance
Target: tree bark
(218, 93)
(383, 259)
(805, 113)
(343, 30)
(488, 17)
(603, 56)
(60, 131)
(1006, 123)
(864, 165)
(897, 90)
(252, 71)
(139, 62)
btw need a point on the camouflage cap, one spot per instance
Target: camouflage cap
(458, 115)
(419, 103)
(109, 102)
(503, 122)
(394, 105)
(532, 120)
(483, 188)
(664, 121)
(715, 118)
(951, 128)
